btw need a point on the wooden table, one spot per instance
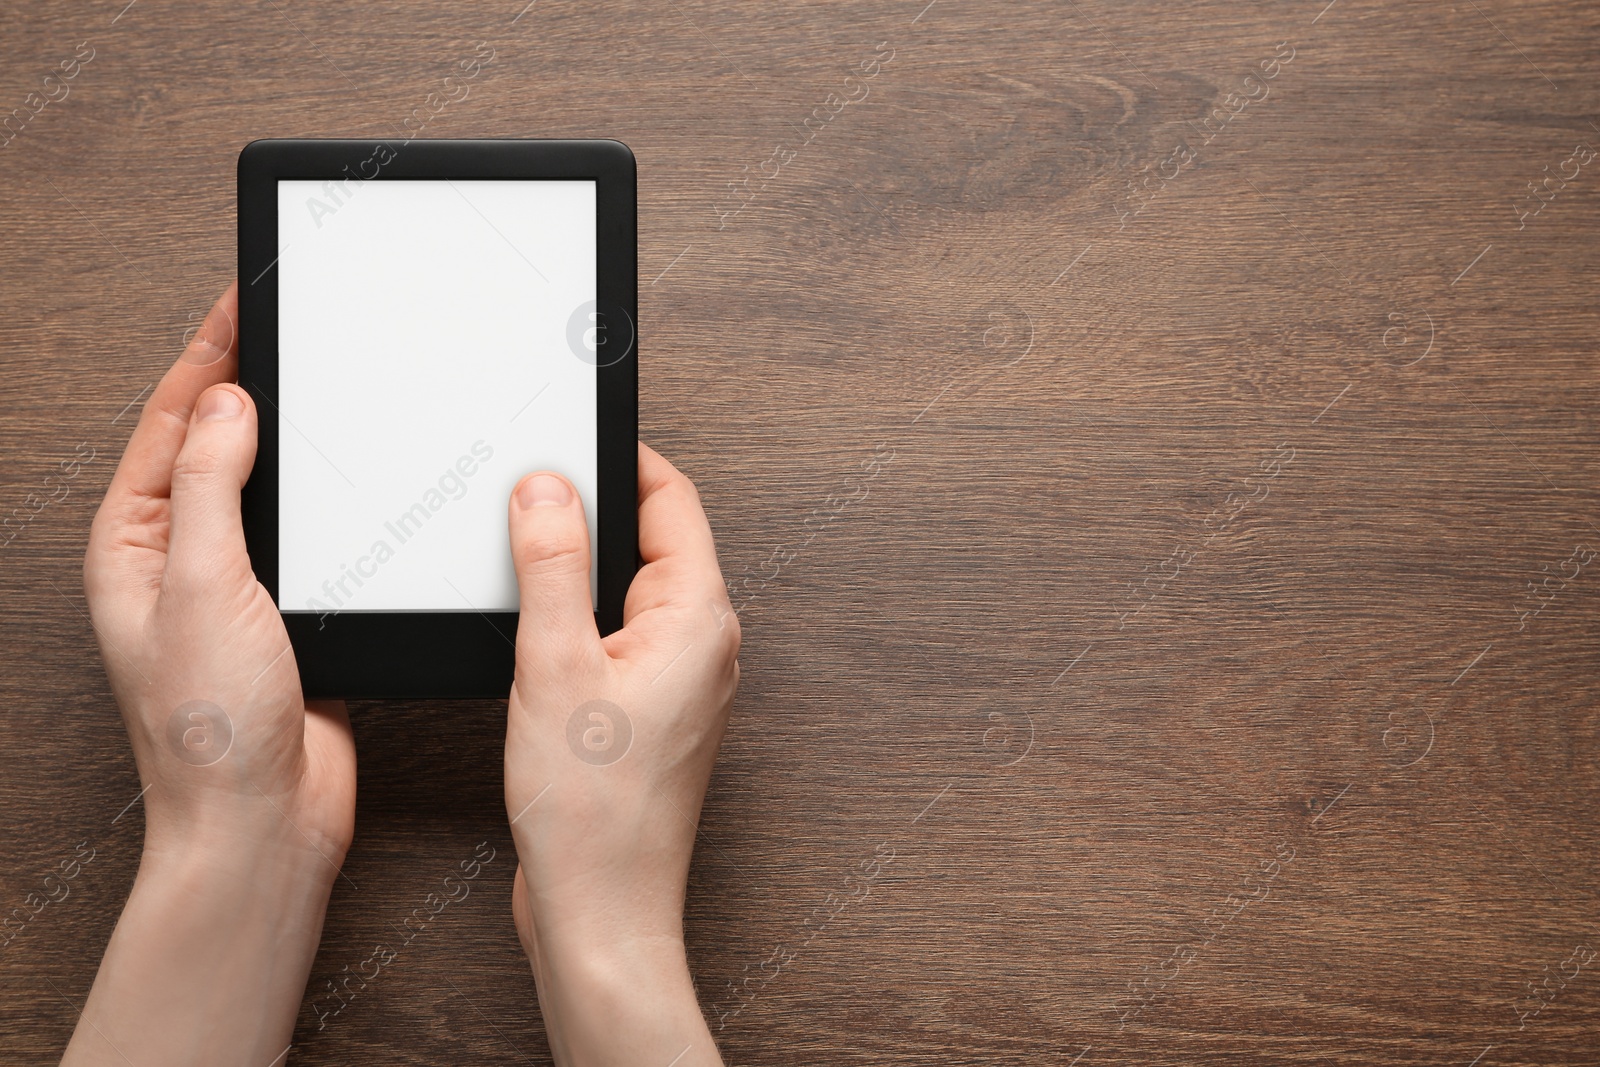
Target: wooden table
(1153, 448)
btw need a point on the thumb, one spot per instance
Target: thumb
(219, 448)
(550, 548)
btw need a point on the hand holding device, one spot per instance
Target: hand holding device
(249, 791)
(609, 749)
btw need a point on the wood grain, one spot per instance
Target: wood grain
(1163, 699)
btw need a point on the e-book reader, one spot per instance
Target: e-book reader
(422, 323)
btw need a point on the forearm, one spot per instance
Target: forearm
(208, 963)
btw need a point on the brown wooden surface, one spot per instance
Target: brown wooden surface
(1328, 664)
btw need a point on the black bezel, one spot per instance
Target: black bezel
(435, 653)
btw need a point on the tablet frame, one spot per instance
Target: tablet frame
(435, 654)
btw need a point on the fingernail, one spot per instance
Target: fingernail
(543, 489)
(220, 404)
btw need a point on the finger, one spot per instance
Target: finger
(333, 714)
(329, 739)
(550, 550)
(680, 578)
(328, 732)
(672, 522)
(207, 540)
(672, 525)
(522, 919)
(211, 357)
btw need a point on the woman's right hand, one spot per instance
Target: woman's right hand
(609, 748)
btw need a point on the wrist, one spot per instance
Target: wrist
(599, 965)
(208, 962)
(225, 832)
(619, 1001)
(261, 873)
(239, 899)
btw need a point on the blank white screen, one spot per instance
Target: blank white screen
(424, 367)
